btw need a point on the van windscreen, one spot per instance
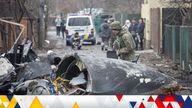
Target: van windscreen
(79, 22)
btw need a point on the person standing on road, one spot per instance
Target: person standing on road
(140, 32)
(127, 24)
(63, 28)
(124, 40)
(58, 25)
(132, 30)
(112, 38)
(105, 33)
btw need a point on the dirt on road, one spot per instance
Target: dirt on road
(147, 57)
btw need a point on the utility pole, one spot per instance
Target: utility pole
(41, 23)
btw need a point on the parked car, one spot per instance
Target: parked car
(82, 24)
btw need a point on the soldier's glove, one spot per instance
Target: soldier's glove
(116, 45)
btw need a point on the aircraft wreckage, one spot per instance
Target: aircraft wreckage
(81, 75)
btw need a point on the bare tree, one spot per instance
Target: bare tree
(112, 6)
(129, 6)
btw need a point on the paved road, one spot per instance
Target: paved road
(58, 45)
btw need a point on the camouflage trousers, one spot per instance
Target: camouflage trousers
(127, 56)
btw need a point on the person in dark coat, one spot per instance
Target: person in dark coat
(63, 27)
(105, 33)
(140, 32)
(132, 30)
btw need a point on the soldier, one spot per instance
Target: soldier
(125, 41)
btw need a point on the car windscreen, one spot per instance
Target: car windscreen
(79, 22)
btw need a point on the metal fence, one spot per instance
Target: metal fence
(178, 43)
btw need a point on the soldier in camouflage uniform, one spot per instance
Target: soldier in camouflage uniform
(124, 40)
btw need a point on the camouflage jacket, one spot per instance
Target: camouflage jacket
(126, 42)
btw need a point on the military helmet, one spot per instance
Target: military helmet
(116, 25)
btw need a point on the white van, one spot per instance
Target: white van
(83, 24)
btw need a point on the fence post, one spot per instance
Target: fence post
(173, 43)
(181, 49)
(184, 45)
(187, 43)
